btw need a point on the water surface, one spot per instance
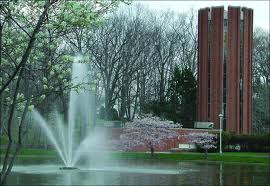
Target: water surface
(34, 171)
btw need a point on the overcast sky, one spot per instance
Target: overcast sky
(261, 8)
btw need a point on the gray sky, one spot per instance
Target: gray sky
(261, 8)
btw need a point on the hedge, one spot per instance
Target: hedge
(247, 143)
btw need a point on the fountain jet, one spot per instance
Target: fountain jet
(73, 140)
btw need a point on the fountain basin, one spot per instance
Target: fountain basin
(68, 168)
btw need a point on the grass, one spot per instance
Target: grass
(240, 157)
(33, 152)
(246, 153)
(36, 152)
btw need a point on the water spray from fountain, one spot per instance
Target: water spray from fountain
(65, 138)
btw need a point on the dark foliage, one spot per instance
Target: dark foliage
(180, 106)
(247, 143)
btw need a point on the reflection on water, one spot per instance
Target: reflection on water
(220, 174)
(141, 172)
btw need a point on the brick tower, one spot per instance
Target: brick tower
(225, 67)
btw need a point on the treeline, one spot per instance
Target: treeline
(140, 61)
(139, 56)
(261, 81)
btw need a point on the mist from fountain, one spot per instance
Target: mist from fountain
(65, 138)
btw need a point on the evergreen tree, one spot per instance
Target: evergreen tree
(183, 97)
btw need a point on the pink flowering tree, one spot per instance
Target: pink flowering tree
(147, 130)
(203, 140)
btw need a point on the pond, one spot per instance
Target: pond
(37, 171)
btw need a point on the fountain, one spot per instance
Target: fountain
(82, 148)
(68, 142)
(83, 151)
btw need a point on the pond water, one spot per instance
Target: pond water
(37, 171)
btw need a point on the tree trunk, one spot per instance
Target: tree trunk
(161, 86)
(142, 95)
(123, 99)
(205, 154)
(108, 106)
(1, 97)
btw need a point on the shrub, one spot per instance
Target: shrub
(251, 143)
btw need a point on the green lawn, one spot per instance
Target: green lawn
(245, 153)
(241, 157)
(38, 152)
(35, 152)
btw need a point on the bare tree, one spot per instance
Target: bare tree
(261, 81)
(105, 46)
